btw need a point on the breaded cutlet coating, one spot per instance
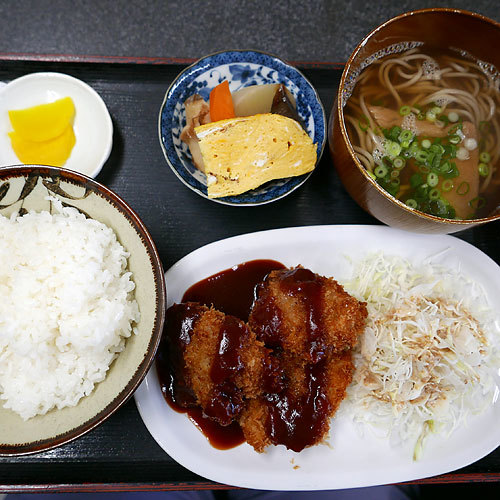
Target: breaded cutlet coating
(298, 416)
(306, 314)
(222, 361)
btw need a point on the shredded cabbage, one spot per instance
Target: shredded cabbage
(426, 360)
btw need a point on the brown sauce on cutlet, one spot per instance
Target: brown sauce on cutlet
(295, 422)
(171, 374)
(232, 291)
(267, 320)
(300, 422)
(305, 285)
(179, 322)
(227, 401)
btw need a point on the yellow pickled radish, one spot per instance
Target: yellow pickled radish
(53, 152)
(43, 122)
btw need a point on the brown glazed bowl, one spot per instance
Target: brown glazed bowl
(27, 188)
(439, 27)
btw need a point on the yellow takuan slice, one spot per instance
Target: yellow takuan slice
(43, 122)
(53, 152)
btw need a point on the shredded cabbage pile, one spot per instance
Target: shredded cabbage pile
(426, 360)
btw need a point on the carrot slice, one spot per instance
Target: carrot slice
(221, 102)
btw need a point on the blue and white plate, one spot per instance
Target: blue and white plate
(241, 68)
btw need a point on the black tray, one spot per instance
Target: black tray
(121, 454)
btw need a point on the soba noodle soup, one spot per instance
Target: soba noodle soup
(426, 127)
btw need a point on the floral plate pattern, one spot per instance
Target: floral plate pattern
(241, 69)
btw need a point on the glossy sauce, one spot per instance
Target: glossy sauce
(226, 399)
(267, 320)
(230, 291)
(299, 422)
(294, 421)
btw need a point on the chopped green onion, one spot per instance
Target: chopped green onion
(421, 156)
(421, 116)
(447, 185)
(394, 174)
(450, 150)
(380, 171)
(392, 148)
(453, 172)
(404, 110)
(399, 162)
(387, 162)
(454, 139)
(453, 117)
(422, 191)
(405, 144)
(484, 169)
(424, 169)
(364, 123)
(394, 133)
(436, 110)
(443, 119)
(477, 202)
(414, 148)
(444, 167)
(434, 194)
(410, 202)
(453, 130)
(416, 180)
(430, 116)
(395, 182)
(438, 207)
(405, 135)
(436, 163)
(437, 148)
(426, 144)
(463, 188)
(484, 157)
(372, 175)
(432, 179)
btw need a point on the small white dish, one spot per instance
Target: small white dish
(349, 460)
(92, 126)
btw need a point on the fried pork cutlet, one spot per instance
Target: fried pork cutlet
(282, 375)
(216, 360)
(299, 415)
(306, 314)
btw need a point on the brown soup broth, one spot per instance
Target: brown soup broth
(443, 99)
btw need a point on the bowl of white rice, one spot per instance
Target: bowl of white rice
(82, 306)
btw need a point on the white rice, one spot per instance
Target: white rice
(66, 308)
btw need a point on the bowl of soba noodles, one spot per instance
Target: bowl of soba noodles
(414, 132)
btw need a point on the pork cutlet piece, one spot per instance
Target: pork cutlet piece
(299, 415)
(306, 314)
(216, 360)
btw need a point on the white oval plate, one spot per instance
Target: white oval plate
(350, 460)
(92, 126)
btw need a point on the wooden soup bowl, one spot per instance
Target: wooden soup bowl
(439, 27)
